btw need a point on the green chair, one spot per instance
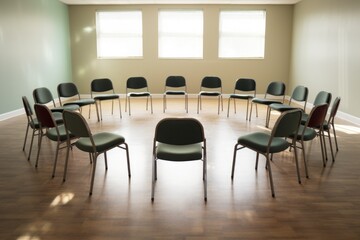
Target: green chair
(275, 93)
(102, 90)
(175, 86)
(53, 131)
(179, 140)
(245, 89)
(137, 87)
(321, 98)
(313, 128)
(68, 91)
(44, 96)
(94, 144)
(268, 144)
(210, 87)
(299, 95)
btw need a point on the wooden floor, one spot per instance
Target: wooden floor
(35, 206)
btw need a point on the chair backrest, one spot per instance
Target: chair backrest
(175, 81)
(245, 85)
(334, 109)
(276, 89)
(76, 124)
(136, 83)
(211, 82)
(43, 96)
(44, 116)
(317, 116)
(287, 124)
(67, 90)
(322, 97)
(300, 94)
(179, 131)
(27, 107)
(101, 85)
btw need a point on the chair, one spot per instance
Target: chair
(179, 140)
(210, 87)
(275, 90)
(321, 98)
(268, 144)
(175, 86)
(137, 87)
(330, 124)
(69, 90)
(53, 131)
(104, 87)
(94, 144)
(300, 95)
(245, 89)
(311, 129)
(43, 96)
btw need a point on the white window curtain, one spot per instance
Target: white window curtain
(242, 34)
(119, 34)
(180, 34)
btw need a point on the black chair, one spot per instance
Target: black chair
(210, 87)
(137, 87)
(94, 144)
(102, 90)
(321, 98)
(245, 89)
(299, 95)
(268, 144)
(275, 93)
(44, 96)
(53, 131)
(68, 91)
(175, 86)
(179, 140)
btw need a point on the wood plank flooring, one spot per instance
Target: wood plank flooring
(37, 207)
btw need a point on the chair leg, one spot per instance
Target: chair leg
(219, 104)
(270, 176)
(106, 163)
(32, 141)
(164, 103)
(129, 107)
(296, 161)
(330, 143)
(39, 147)
(205, 178)
(198, 103)
(95, 155)
(151, 105)
(234, 161)
(67, 159)
(100, 111)
(120, 108)
(229, 106)
(257, 161)
(56, 157)
(323, 149)
(305, 164)
(334, 132)
(127, 159)
(26, 134)
(153, 179)
(186, 103)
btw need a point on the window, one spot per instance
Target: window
(119, 34)
(242, 34)
(180, 34)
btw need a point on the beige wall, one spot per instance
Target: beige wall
(326, 52)
(275, 66)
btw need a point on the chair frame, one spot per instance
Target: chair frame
(276, 132)
(209, 86)
(136, 84)
(102, 90)
(175, 86)
(241, 92)
(179, 141)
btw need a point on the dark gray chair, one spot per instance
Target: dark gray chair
(137, 87)
(210, 87)
(69, 94)
(275, 93)
(321, 98)
(268, 144)
(299, 95)
(44, 96)
(102, 90)
(94, 144)
(179, 140)
(175, 86)
(245, 89)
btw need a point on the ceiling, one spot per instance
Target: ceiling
(104, 2)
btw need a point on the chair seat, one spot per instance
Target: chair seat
(81, 102)
(260, 141)
(103, 141)
(175, 93)
(106, 97)
(265, 101)
(241, 96)
(179, 152)
(281, 107)
(209, 93)
(308, 134)
(52, 134)
(139, 94)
